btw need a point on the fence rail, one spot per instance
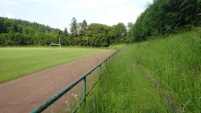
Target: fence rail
(46, 104)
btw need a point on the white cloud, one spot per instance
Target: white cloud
(108, 11)
(119, 14)
(8, 15)
(33, 0)
(17, 2)
(58, 13)
(9, 2)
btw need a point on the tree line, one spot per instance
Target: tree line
(16, 32)
(164, 17)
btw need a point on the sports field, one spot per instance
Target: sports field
(18, 62)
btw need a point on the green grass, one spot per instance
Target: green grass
(21, 61)
(116, 46)
(174, 61)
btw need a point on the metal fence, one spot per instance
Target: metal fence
(46, 104)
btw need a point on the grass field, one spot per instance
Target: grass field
(21, 61)
(173, 61)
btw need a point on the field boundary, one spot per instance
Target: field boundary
(46, 104)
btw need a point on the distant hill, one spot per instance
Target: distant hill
(14, 32)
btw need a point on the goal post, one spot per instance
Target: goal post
(54, 44)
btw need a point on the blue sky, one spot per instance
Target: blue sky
(59, 13)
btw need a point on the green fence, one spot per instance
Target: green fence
(65, 90)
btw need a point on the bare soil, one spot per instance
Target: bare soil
(24, 94)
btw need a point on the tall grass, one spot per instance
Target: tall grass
(176, 64)
(174, 61)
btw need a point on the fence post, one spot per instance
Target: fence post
(99, 70)
(84, 89)
(106, 63)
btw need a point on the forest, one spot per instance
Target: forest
(164, 17)
(16, 32)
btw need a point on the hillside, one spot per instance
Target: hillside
(159, 75)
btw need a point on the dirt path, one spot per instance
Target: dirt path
(24, 94)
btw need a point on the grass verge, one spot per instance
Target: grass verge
(174, 62)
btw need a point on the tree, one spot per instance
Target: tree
(118, 33)
(84, 25)
(3, 28)
(129, 32)
(97, 35)
(165, 17)
(65, 37)
(82, 31)
(19, 32)
(129, 25)
(73, 28)
(66, 31)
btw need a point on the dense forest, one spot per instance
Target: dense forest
(164, 17)
(16, 32)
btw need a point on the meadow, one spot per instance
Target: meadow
(162, 75)
(16, 62)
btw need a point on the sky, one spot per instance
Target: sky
(59, 13)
